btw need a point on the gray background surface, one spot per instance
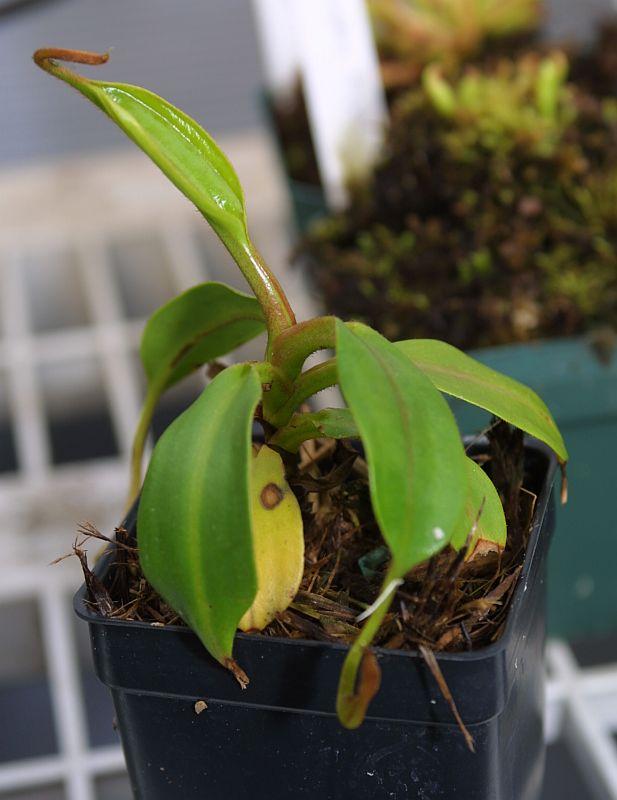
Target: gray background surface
(200, 54)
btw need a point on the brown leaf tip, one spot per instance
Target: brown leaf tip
(47, 54)
(564, 484)
(237, 671)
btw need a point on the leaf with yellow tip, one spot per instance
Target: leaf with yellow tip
(278, 540)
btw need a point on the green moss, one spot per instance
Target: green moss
(490, 219)
(525, 104)
(477, 265)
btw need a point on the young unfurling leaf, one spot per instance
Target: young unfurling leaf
(178, 145)
(190, 158)
(329, 423)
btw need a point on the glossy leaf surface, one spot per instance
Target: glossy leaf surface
(417, 470)
(417, 477)
(178, 145)
(194, 520)
(190, 158)
(278, 540)
(460, 375)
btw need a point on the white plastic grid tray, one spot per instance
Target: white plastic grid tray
(86, 211)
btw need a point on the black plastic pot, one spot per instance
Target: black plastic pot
(280, 739)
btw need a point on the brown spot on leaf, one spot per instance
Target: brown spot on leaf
(271, 495)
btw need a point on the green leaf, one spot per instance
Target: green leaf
(483, 500)
(190, 158)
(198, 326)
(194, 520)
(178, 145)
(338, 423)
(417, 477)
(330, 423)
(417, 471)
(459, 375)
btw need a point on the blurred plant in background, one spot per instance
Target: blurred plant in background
(524, 103)
(413, 33)
(410, 34)
(491, 218)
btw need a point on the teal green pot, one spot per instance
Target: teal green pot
(581, 392)
(308, 203)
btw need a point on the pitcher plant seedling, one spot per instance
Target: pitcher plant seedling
(219, 530)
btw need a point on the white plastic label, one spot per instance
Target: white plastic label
(279, 53)
(342, 84)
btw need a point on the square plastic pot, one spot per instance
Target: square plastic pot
(280, 738)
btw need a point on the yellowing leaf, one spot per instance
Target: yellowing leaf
(278, 540)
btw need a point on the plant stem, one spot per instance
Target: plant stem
(288, 353)
(266, 288)
(139, 442)
(291, 349)
(309, 383)
(350, 703)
